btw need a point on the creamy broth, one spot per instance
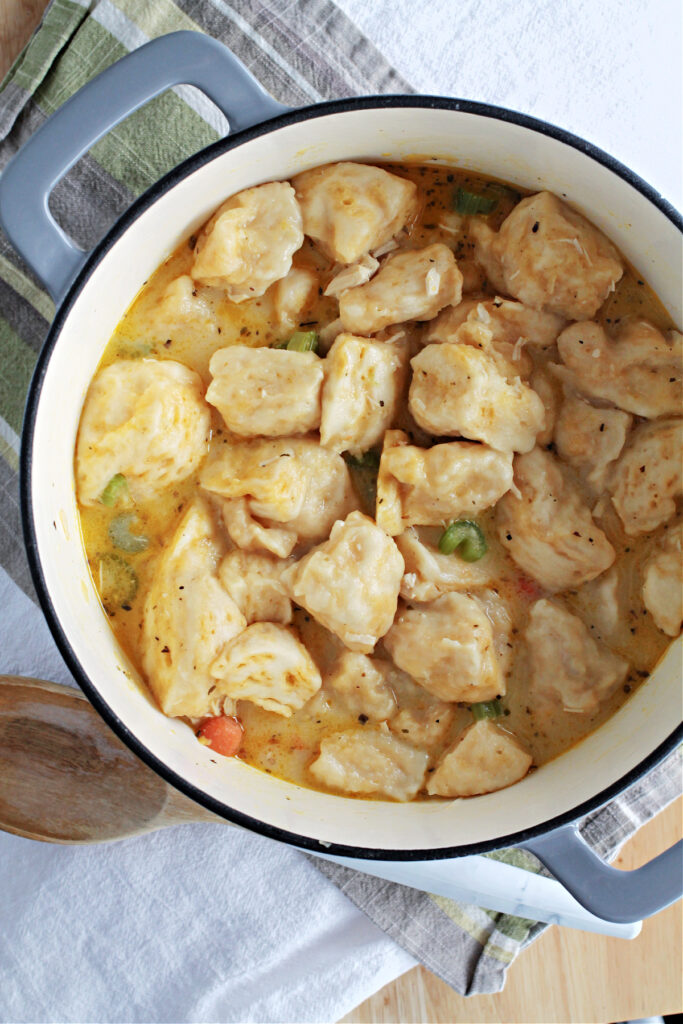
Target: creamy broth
(286, 747)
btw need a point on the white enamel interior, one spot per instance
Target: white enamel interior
(505, 150)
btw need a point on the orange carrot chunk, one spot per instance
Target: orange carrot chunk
(223, 734)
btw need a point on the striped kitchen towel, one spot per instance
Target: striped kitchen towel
(302, 52)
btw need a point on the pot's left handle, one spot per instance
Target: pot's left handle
(26, 183)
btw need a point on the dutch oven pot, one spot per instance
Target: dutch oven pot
(93, 290)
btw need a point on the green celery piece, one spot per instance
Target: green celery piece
(116, 489)
(467, 537)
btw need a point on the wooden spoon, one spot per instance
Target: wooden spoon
(66, 778)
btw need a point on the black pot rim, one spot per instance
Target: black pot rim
(26, 460)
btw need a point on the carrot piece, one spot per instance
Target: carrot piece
(527, 587)
(223, 734)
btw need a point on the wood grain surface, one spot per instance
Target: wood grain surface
(18, 18)
(567, 976)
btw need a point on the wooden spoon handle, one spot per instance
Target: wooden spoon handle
(66, 778)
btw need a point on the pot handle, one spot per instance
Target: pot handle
(607, 892)
(186, 57)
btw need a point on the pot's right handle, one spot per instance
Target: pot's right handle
(613, 895)
(190, 58)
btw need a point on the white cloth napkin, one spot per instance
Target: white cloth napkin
(195, 923)
(607, 70)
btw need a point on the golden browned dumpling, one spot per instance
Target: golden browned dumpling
(188, 617)
(509, 357)
(266, 392)
(249, 242)
(662, 585)
(427, 486)
(143, 418)
(291, 296)
(181, 306)
(639, 369)
(648, 478)
(590, 439)
(448, 647)
(349, 209)
(429, 573)
(410, 285)
(512, 327)
(549, 257)
(548, 529)
(370, 760)
(254, 582)
(361, 684)
(549, 390)
(424, 724)
(269, 666)
(567, 664)
(459, 390)
(279, 492)
(350, 583)
(364, 383)
(483, 759)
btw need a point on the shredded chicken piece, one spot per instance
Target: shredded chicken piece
(187, 618)
(639, 370)
(370, 760)
(448, 647)
(648, 478)
(548, 530)
(662, 583)
(411, 284)
(383, 250)
(590, 439)
(269, 666)
(483, 759)
(364, 383)
(265, 391)
(249, 242)
(549, 257)
(427, 486)
(566, 663)
(350, 209)
(459, 390)
(350, 583)
(143, 418)
(353, 275)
